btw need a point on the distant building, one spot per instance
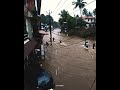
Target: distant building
(90, 21)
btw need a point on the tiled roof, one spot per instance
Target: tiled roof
(88, 17)
(29, 46)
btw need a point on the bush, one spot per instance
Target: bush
(89, 32)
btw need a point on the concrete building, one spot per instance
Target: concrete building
(90, 21)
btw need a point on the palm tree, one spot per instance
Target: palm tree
(80, 4)
(63, 18)
(85, 12)
(89, 14)
(64, 14)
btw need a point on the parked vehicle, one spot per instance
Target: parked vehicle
(45, 81)
(38, 78)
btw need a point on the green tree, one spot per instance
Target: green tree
(47, 19)
(85, 12)
(63, 18)
(81, 22)
(94, 12)
(43, 18)
(71, 22)
(55, 24)
(90, 14)
(66, 21)
(64, 14)
(80, 4)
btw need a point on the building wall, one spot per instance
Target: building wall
(90, 22)
(28, 7)
(30, 4)
(29, 28)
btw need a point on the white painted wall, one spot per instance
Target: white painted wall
(29, 14)
(90, 20)
(42, 51)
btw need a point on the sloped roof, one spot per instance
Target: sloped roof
(87, 17)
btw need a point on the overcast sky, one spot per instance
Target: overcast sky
(64, 4)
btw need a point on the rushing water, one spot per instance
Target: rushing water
(72, 66)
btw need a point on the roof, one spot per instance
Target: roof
(87, 17)
(29, 46)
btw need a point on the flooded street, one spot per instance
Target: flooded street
(72, 66)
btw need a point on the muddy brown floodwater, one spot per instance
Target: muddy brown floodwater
(72, 66)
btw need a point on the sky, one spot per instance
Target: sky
(53, 6)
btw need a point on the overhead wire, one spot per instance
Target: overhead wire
(61, 6)
(68, 5)
(57, 5)
(76, 10)
(70, 38)
(85, 5)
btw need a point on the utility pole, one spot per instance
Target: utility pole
(50, 27)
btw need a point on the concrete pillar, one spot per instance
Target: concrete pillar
(29, 28)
